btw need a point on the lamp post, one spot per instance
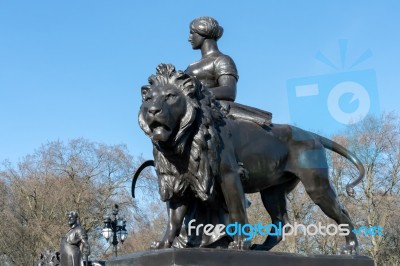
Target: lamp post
(115, 227)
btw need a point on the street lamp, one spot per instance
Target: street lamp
(115, 228)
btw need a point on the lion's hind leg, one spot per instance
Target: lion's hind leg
(274, 200)
(318, 187)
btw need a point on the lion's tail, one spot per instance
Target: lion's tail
(336, 147)
(137, 173)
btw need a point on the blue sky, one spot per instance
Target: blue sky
(71, 69)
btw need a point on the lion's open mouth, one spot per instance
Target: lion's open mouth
(159, 132)
(157, 125)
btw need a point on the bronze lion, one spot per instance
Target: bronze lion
(202, 156)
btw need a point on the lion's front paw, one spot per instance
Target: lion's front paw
(159, 245)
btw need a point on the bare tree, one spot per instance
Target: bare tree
(376, 141)
(37, 192)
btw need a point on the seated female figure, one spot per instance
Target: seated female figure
(218, 72)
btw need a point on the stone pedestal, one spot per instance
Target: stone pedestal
(217, 257)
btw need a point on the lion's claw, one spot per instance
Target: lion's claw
(240, 245)
(350, 249)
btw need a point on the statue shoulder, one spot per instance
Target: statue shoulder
(224, 65)
(79, 233)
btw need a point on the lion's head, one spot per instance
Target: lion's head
(169, 105)
(181, 118)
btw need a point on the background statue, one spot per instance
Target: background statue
(74, 243)
(200, 155)
(218, 71)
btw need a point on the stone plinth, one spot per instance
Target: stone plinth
(217, 257)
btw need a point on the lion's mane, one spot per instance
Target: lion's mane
(197, 139)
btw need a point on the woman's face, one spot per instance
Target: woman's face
(196, 40)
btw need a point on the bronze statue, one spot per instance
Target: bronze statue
(200, 155)
(218, 72)
(74, 243)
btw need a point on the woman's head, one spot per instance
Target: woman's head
(72, 217)
(207, 27)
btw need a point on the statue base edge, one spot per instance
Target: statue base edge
(203, 256)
